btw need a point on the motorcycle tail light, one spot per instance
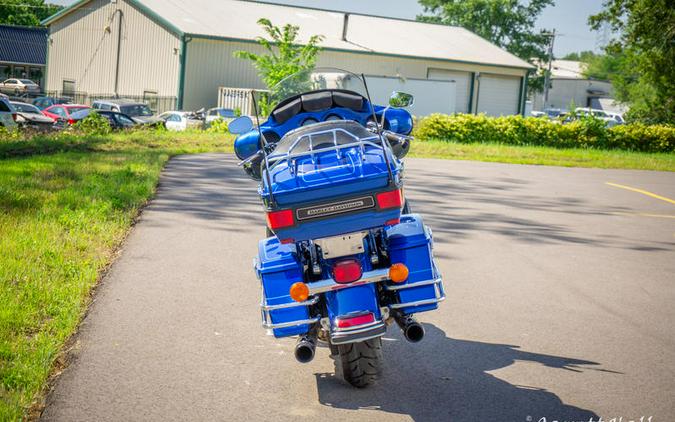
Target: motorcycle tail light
(391, 199)
(280, 219)
(355, 320)
(347, 271)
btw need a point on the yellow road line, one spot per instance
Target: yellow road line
(644, 192)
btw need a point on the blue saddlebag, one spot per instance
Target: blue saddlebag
(278, 268)
(410, 243)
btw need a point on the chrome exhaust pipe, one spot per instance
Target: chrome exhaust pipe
(304, 349)
(412, 330)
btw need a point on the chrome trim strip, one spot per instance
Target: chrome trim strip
(330, 284)
(412, 285)
(359, 333)
(266, 324)
(308, 302)
(439, 297)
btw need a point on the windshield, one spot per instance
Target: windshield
(25, 108)
(313, 80)
(27, 82)
(81, 114)
(226, 112)
(136, 110)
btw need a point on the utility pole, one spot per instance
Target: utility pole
(547, 80)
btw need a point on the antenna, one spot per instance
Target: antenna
(379, 130)
(264, 147)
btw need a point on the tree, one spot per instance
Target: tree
(644, 48)
(507, 23)
(583, 56)
(26, 12)
(284, 56)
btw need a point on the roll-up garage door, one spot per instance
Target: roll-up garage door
(462, 84)
(498, 95)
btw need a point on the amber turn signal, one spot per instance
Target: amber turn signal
(299, 292)
(398, 273)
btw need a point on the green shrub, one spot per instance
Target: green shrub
(93, 124)
(586, 132)
(218, 126)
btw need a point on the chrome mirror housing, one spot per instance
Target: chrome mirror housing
(401, 99)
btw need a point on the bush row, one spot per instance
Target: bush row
(518, 130)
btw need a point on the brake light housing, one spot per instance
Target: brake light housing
(347, 271)
(354, 321)
(280, 219)
(390, 199)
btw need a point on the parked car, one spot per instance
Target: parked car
(62, 112)
(19, 86)
(8, 115)
(180, 120)
(46, 102)
(226, 114)
(31, 117)
(116, 119)
(597, 113)
(616, 116)
(137, 110)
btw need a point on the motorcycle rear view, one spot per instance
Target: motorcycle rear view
(344, 258)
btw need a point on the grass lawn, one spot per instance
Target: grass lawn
(62, 216)
(66, 204)
(544, 155)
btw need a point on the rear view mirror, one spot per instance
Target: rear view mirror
(240, 125)
(401, 99)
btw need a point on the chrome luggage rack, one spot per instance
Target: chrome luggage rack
(290, 156)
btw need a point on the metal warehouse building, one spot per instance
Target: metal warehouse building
(184, 49)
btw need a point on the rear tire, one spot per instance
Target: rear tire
(360, 363)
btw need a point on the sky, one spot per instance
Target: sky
(567, 17)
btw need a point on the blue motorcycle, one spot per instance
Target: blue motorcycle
(344, 257)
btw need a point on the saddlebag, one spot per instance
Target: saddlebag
(278, 268)
(411, 243)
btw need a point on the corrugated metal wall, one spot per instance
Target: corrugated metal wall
(83, 48)
(210, 64)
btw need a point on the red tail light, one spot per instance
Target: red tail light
(71, 121)
(280, 219)
(391, 199)
(15, 117)
(347, 271)
(356, 320)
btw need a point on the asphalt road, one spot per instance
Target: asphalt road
(561, 293)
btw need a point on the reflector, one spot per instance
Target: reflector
(391, 199)
(280, 219)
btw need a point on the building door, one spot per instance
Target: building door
(462, 86)
(498, 95)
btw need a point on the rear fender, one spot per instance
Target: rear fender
(352, 300)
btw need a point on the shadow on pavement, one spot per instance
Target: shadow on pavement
(447, 379)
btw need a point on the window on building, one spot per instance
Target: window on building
(20, 72)
(68, 87)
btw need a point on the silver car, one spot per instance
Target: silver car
(19, 87)
(8, 115)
